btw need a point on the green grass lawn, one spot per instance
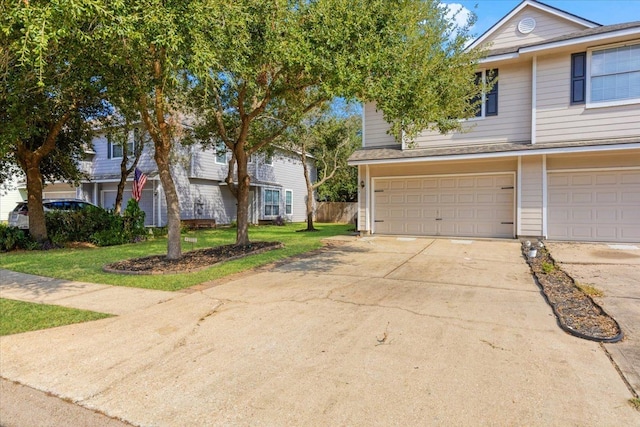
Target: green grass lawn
(19, 316)
(85, 265)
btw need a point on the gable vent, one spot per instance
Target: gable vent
(526, 25)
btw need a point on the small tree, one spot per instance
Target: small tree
(122, 136)
(330, 140)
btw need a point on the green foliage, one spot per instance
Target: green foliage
(133, 219)
(97, 225)
(19, 316)
(548, 267)
(12, 238)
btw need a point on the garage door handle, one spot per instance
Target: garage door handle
(507, 188)
(506, 222)
(438, 219)
(378, 220)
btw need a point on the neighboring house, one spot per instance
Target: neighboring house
(553, 153)
(277, 184)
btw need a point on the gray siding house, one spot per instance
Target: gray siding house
(277, 184)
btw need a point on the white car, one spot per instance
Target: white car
(19, 217)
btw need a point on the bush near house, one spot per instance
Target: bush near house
(96, 225)
(93, 225)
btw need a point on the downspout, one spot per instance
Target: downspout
(534, 98)
(95, 194)
(368, 199)
(544, 196)
(519, 198)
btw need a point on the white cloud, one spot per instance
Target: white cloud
(458, 13)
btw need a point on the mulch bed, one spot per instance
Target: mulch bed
(190, 261)
(577, 313)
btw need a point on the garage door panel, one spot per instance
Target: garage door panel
(594, 205)
(456, 206)
(607, 197)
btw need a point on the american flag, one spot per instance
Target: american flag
(139, 179)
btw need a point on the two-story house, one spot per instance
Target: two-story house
(278, 187)
(277, 183)
(554, 152)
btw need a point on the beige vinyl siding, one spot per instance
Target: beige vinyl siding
(375, 128)
(531, 196)
(557, 120)
(620, 159)
(429, 168)
(547, 27)
(513, 122)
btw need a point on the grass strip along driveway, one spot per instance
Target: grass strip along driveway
(19, 316)
(85, 264)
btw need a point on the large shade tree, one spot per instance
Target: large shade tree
(49, 95)
(155, 47)
(290, 56)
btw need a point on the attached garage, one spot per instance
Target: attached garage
(592, 205)
(470, 205)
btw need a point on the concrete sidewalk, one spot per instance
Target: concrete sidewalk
(379, 331)
(87, 296)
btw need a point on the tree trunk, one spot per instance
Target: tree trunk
(123, 179)
(37, 224)
(244, 182)
(307, 180)
(174, 250)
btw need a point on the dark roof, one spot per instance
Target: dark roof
(575, 35)
(397, 153)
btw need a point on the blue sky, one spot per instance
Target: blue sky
(604, 12)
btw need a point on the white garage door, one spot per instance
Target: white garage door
(594, 206)
(465, 205)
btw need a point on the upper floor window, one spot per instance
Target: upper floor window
(221, 153)
(615, 74)
(604, 77)
(115, 151)
(268, 159)
(489, 104)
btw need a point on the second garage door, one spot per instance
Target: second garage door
(462, 206)
(595, 206)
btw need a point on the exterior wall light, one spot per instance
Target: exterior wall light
(362, 184)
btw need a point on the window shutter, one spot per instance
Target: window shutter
(491, 108)
(479, 97)
(108, 149)
(578, 77)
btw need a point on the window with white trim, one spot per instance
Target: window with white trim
(115, 150)
(268, 159)
(271, 202)
(288, 202)
(489, 104)
(221, 153)
(614, 75)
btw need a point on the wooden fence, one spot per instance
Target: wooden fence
(336, 212)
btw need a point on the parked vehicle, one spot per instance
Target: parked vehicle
(19, 217)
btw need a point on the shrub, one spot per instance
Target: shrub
(133, 221)
(14, 238)
(159, 231)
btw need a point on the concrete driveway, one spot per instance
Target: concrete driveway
(613, 269)
(378, 331)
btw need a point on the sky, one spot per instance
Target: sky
(603, 12)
